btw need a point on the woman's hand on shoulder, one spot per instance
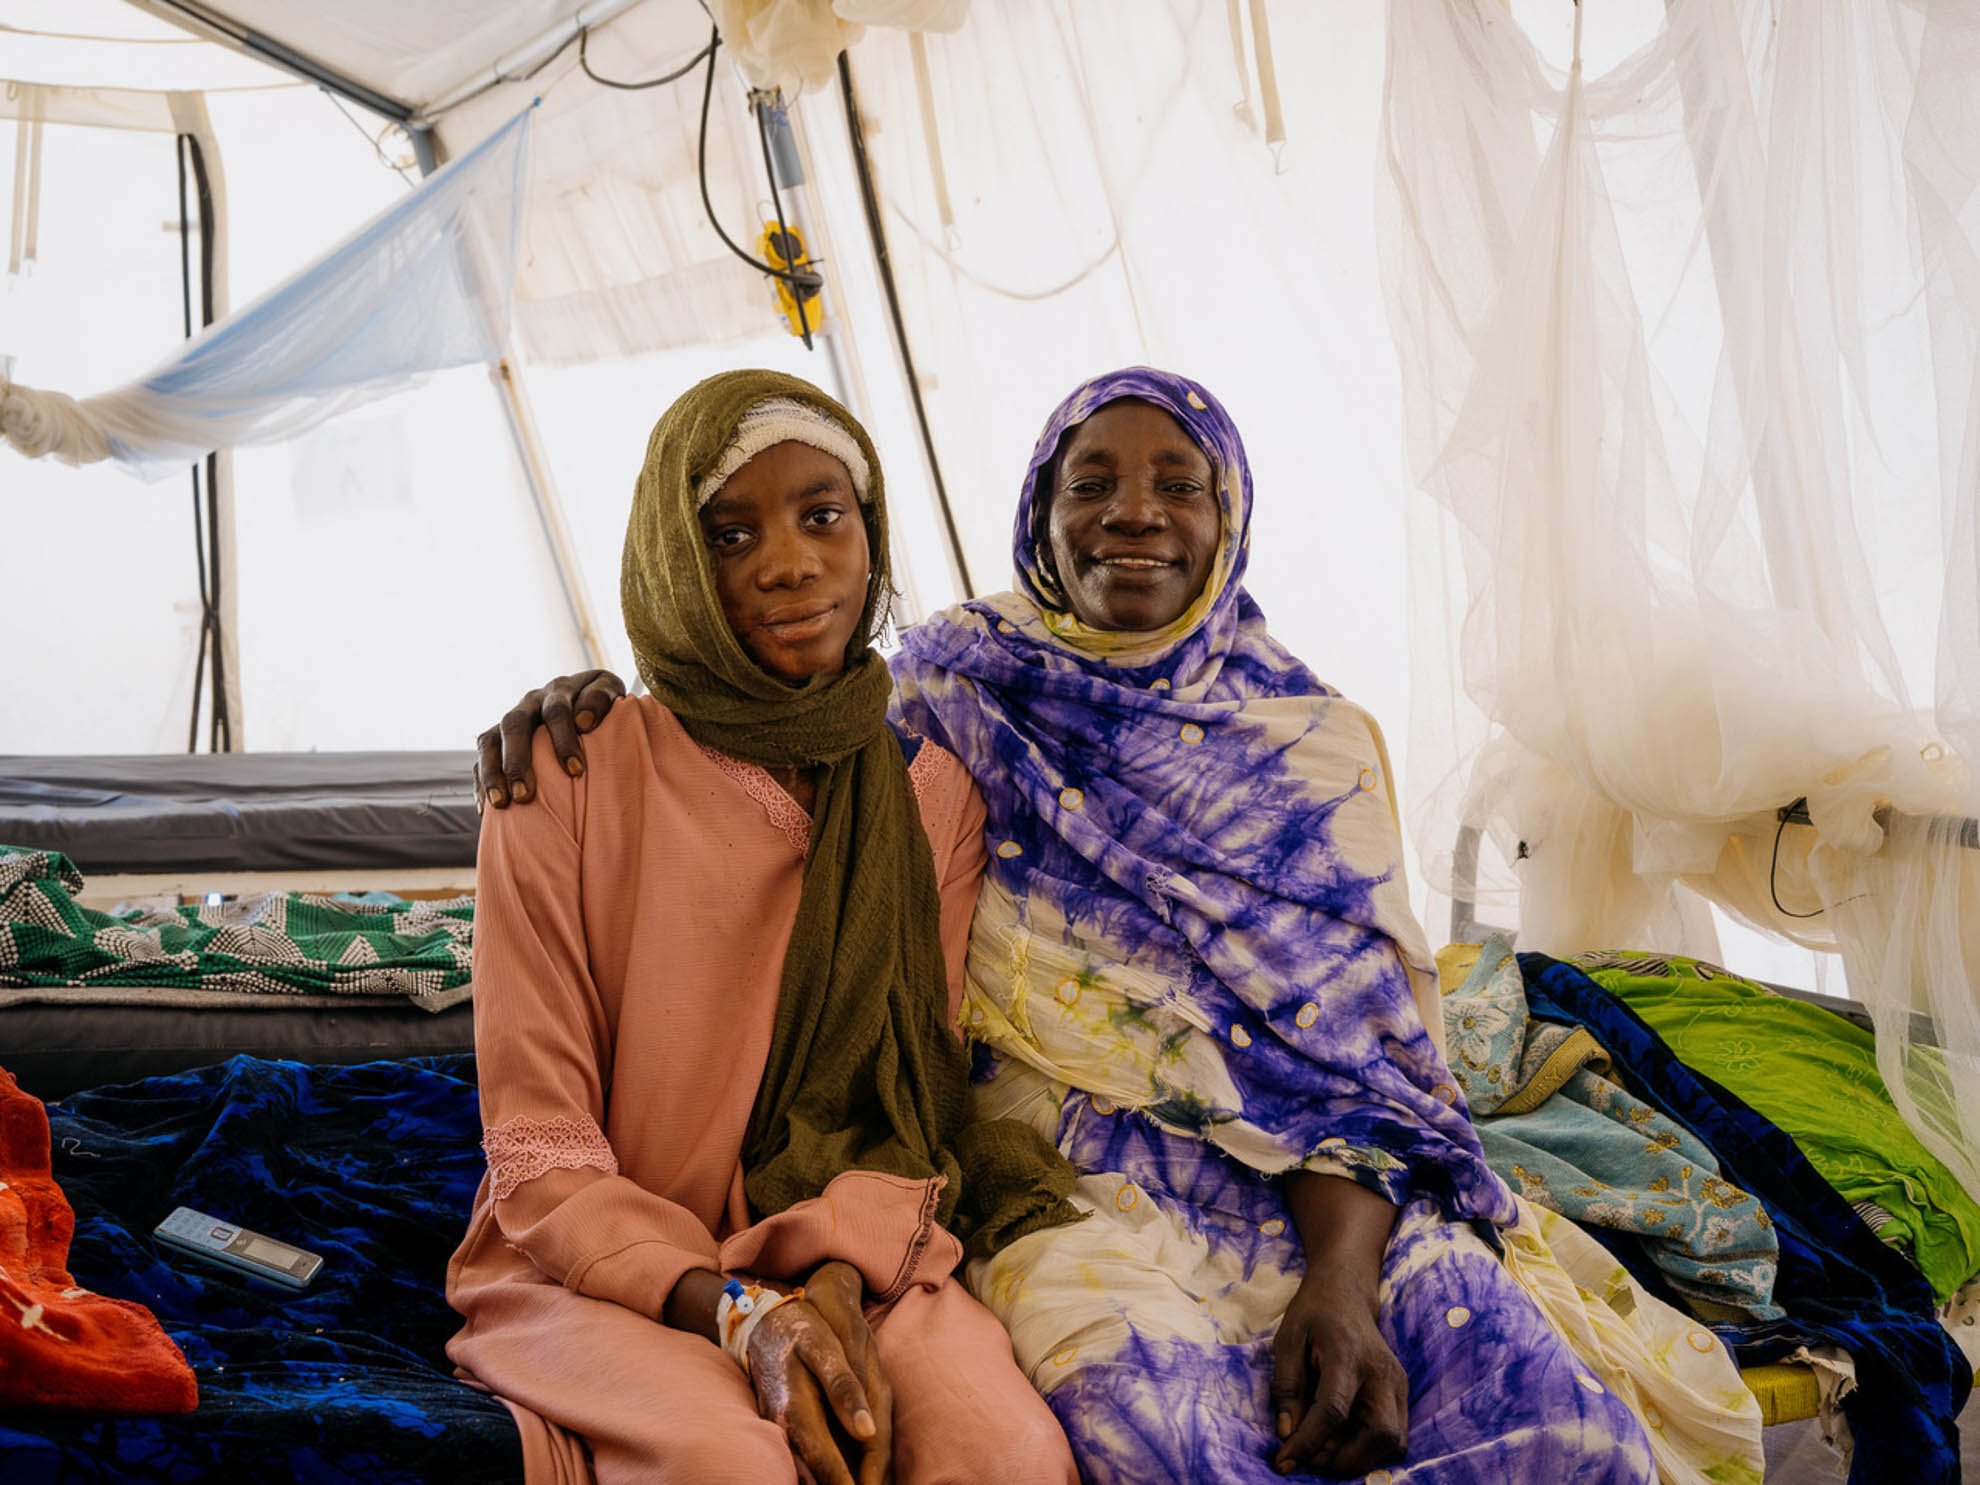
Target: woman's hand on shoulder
(569, 706)
(1340, 1398)
(805, 1380)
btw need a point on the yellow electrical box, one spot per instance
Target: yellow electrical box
(783, 247)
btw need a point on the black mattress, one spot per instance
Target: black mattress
(243, 811)
(54, 1050)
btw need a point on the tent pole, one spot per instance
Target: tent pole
(841, 346)
(203, 20)
(424, 153)
(507, 376)
(877, 232)
(549, 510)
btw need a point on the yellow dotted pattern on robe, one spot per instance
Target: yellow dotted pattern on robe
(1380, 1477)
(1071, 799)
(1332, 1142)
(1068, 991)
(1009, 850)
(1191, 733)
(1368, 778)
(1005, 626)
(1308, 1014)
(1195, 401)
(1126, 1198)
(1651, 1416)
(1590, 1383)
(1160, 683)
(1272, 1226)
(1444, 1093)
(1240, 1037)
(1457, 1317)
(1701, 1341)
(1065, 1357)
(1104, 1106)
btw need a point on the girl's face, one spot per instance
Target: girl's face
(1134, 519)
(787, 543)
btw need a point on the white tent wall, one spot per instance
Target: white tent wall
(369, 538)
(1109, 206)
(625, 297)
(105, 561)
(617, 263)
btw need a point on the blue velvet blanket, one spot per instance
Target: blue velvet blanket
(1837, 1282)
(374, 1167)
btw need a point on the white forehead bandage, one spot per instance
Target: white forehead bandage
(781, 420)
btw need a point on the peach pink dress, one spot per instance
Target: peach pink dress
(630, 940)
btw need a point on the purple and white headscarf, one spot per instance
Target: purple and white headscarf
(1195, 905)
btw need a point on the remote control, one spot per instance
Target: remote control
(233, 1246)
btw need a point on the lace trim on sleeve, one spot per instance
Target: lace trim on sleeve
(520, 1150)
(928, 766)
(783, 810)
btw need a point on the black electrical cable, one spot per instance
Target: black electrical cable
(199, 535)
(220, 738)
(802, 281)
(783, 232)
(878, 232)
(584, 41)
(206, 498)
(1774, 867)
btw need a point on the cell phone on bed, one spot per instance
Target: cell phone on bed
(233, 1246)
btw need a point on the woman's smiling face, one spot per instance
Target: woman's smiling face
(787, 543)
(1134, 518)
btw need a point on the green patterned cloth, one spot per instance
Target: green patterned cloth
(274, 943)
(1815, 1075)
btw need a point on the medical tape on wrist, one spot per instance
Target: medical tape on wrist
(740, 1310)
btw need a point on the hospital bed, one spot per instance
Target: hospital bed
(187, 827)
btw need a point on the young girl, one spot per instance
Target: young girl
(716, 980)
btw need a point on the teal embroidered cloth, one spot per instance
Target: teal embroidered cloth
(1568, 1137)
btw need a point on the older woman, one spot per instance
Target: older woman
(1193, 967)
(713, 984)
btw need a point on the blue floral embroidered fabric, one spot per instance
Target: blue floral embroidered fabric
(374, 1167)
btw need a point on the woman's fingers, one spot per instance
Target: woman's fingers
(1382, 1436)
(876, 1463)
(488, 787)
(1358, 1419)
(596, 698)
(573, 705)
(1290, 1393)
(557, 722)
(818, 1347)
(569, 706)
(517, 728)
(837, 1292)
(810, 1432)
(1324, 1423)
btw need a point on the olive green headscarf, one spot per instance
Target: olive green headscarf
(863, 1072)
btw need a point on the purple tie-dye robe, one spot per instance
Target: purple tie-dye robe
(1195, 967)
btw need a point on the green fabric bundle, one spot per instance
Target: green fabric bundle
(273, 943)
(1815, 1075)
(864, 1072)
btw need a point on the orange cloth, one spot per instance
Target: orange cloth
(60, 1345)
(630, 933)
